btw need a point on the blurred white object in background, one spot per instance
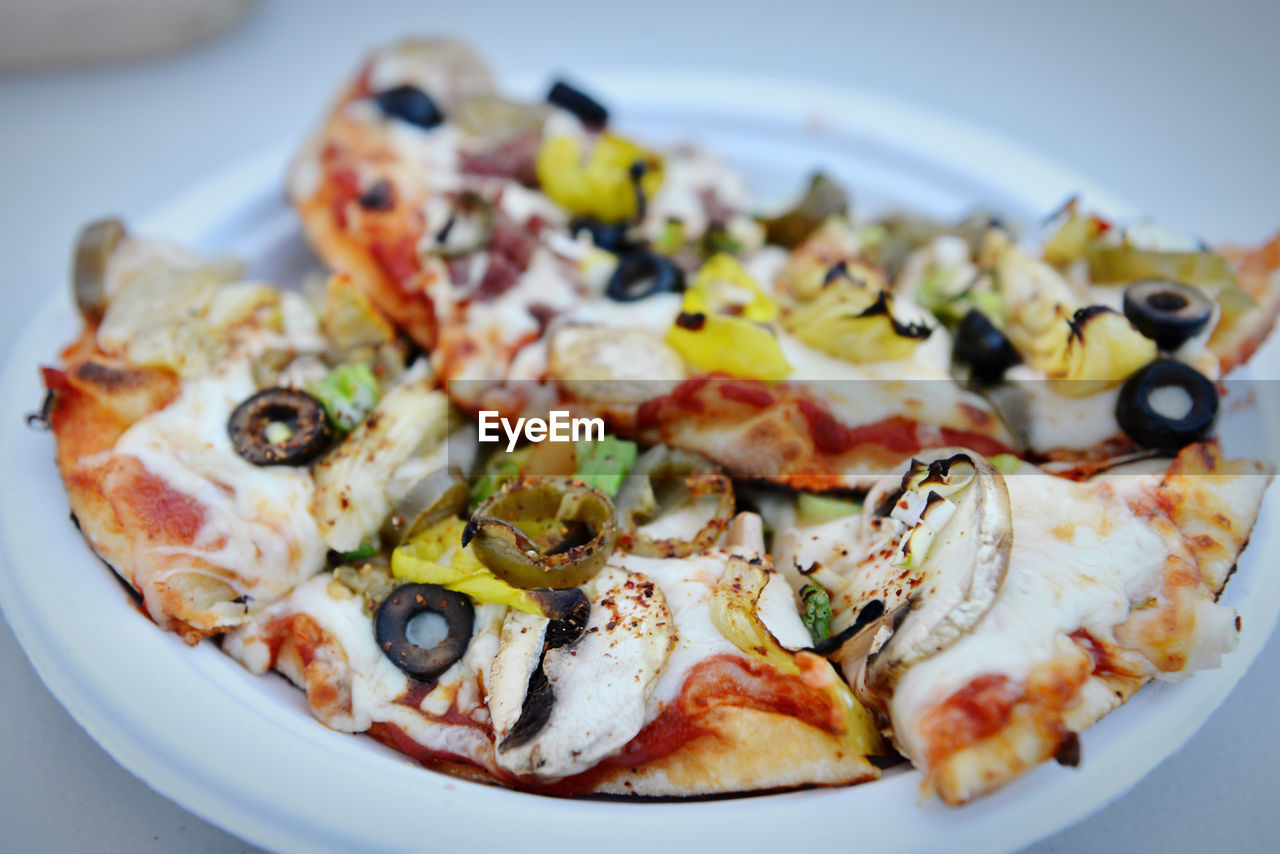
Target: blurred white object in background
(48, 33)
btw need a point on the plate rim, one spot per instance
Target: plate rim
(971, 149)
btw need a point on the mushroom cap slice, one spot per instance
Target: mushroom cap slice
(958, 577)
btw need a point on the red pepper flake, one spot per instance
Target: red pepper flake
(751, 395)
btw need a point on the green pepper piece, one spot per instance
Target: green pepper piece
(366, 549)
(817, 612)
(438, 495)
(813, 509)
(1125, 264)
(823, 199)
(604, 464)
(664, 479)
(517, 559)
(349, 393)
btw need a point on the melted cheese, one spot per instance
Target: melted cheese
(257, 520)
(1080, 557)
(375, 683)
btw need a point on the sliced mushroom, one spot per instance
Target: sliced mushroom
(950, 520)
(593, 700)
(519, 655)
(955, 581)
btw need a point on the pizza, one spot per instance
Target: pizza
(850, 492)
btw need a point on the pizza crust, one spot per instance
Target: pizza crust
(1205, 509)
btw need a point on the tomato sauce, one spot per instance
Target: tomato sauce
(979, 709)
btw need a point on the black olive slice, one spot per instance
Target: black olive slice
(302, 419)
(1147, 425)
(588, 110)
(643, 274)
(1168, 313)
(391, 627)
(609, 237)
(984, 348)
(409, 104)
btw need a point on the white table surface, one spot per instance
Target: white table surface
(1173, 105)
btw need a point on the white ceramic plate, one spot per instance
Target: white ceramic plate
(244, 753)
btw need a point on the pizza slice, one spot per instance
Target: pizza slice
(184, 434)
(657, 676)
(549, 261)
(990, 615)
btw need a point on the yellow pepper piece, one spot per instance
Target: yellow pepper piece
(434, 556)
(734, 614)
(723, 283)
(732, 345)
(600, 185)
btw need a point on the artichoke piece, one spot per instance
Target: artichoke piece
(1102, 350)
(734, 614)
(94, 246)
(351, 498)
(847, 322)
(349, 320)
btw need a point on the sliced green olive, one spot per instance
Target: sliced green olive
(94, 246)
(664, 480)
(441, 494)
(822, 199)
(580, 547)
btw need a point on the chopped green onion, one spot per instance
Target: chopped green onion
(812, 509)
(671, 240)
(366, 549)
(501, 468)
(604, 464)
(1006, 463)
(817, 612)
(348, 393)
